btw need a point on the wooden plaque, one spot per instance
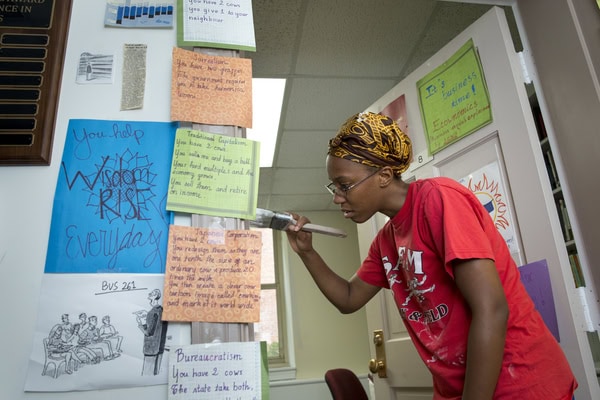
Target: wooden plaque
(33, 37)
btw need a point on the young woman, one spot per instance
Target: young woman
(454, 281)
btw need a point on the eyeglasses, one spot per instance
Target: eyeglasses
(344, 189)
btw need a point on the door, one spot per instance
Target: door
(508, 147)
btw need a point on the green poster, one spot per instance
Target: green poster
(264, 371)
(214, 175)
(454, 99)
(218, 24)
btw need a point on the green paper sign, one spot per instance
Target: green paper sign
(454, 99)
(216, 23)
(214, 175)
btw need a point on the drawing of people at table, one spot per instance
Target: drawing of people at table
(90, 338)
(57, 348)
(108, 332)
(83, 353)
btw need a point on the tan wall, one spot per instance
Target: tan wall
(325, 338)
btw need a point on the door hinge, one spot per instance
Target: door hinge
(525, 69)
(587, 316)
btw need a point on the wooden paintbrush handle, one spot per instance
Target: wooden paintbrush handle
(326, 230)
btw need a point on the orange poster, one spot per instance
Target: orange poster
(211, 90)
(212, 275)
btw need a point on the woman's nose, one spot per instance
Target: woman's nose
(338, 199)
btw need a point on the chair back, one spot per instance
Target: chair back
(46, 351)
(345, 385)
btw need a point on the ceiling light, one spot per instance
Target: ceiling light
(267, 100)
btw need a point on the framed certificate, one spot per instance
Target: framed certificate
(32, 47)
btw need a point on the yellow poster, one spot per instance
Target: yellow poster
(211, 90)
(454, 99)
(214, 175)
(212, 275)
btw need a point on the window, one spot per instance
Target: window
(267, 100)
(272, 327)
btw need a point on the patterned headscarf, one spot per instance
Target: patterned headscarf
(374, 140)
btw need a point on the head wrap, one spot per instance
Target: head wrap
(374, 140)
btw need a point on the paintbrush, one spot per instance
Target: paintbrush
(281, 221)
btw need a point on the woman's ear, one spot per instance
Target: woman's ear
(386, 176)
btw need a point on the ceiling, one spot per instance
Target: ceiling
(338, 57)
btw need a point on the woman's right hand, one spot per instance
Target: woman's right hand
(300, 241)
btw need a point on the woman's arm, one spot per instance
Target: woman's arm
(347, 295)
(480, 285)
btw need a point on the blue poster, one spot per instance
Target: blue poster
(109, 213)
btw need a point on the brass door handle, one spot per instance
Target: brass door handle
(377, 365)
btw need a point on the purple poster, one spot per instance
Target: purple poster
(536, 279)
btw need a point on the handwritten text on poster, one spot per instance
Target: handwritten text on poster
(212, 275)
(109, 213)
(216, 371)
(211, 89)
(454, 99)
(214, 175)
(219, 24)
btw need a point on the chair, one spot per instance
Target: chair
(345, 385)
(52, 359)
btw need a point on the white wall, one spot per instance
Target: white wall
(26, 196)
(26, 193)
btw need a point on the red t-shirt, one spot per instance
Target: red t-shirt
(441, 221)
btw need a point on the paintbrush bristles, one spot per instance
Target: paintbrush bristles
(263, 218)
(271, 219)
(281, 221)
